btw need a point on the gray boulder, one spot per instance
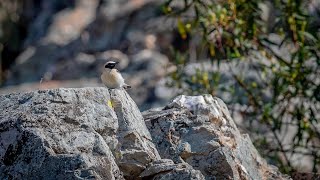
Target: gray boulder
(88, 133)
(96, 133)
(198, 130)
(58, 134)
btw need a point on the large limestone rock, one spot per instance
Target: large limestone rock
(96, 133)
(89, 133)
(58, 134)
(198, 130)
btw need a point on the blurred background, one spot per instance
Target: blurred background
(262, 58)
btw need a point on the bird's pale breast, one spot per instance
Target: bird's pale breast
(112, 79)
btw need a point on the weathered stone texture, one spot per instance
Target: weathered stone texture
(96, 133)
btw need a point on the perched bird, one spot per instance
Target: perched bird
(111, 77)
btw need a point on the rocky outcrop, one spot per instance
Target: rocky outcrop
(58, 134)
(96, 133)
(198, 130)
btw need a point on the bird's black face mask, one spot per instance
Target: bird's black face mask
(111, 65)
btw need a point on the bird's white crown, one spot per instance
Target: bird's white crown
(111, 62)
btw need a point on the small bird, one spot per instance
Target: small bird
(112, 78)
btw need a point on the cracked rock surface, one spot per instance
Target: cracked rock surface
(96, 133)
(199, 131)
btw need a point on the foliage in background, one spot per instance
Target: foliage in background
(234, 30)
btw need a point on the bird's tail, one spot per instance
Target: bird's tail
(126, 86)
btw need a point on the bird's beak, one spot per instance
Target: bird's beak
(117, 62)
